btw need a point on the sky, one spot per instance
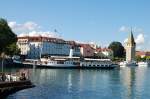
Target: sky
(97, 21)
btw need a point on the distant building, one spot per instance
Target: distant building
(142, 54)
(36, 46)
(86, 50)
(104, 53)
(130, 48)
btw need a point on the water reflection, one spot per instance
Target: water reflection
(123, 83)
(134, 81)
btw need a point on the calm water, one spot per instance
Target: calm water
(123, 83)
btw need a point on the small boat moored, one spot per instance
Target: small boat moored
(125, 63)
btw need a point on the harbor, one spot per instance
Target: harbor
(85, 62)
(88, 83)
(13, 82)
(74, 49)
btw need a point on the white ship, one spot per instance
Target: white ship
(147, 63)
(96, 63)
(71, 62)
(126, 63)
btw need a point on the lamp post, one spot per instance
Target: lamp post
(3, 57)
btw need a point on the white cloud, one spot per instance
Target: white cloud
(125, 41)
(30, 28)
(25, 27)
(124, 29)
(40, 33)
(140, 39)
(139, 48)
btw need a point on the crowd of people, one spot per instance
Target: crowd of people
(8, 77)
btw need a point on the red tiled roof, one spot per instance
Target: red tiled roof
(103, 49)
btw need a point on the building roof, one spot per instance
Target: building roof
(131, 39)
(103, 49)
(144, 53)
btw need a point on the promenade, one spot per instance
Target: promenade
(10, 83)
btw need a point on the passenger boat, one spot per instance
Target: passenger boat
(97, 63)
(69, 63)
(72, 62)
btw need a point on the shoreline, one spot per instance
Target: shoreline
(8, 88)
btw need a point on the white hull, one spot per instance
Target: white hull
(57, 65)
(143, 63)
(124, 64)
(87, 63)
(96, 63)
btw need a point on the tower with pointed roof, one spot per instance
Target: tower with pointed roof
(130, 48)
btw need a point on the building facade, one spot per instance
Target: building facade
(86, 50)
(130, 48)
(35, 47)
(143, 54)
(104, 53)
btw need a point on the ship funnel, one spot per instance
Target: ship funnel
(71, 53)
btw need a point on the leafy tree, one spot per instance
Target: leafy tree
(117, 48)
(8, 39)
(147, 57)
(99, 55)
(12, 49)
(138, 58)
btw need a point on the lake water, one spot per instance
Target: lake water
(121, 83)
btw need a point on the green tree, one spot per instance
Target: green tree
(8, 39)
(138, 58)
(117, 48)
(12, 49)
(147, 57)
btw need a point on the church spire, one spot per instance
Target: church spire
(131, 39)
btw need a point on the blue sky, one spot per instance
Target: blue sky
(99, 21)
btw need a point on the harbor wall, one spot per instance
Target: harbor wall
(7, 88)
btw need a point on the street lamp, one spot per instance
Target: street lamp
(3, 57)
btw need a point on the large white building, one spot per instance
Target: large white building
(36, 46)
